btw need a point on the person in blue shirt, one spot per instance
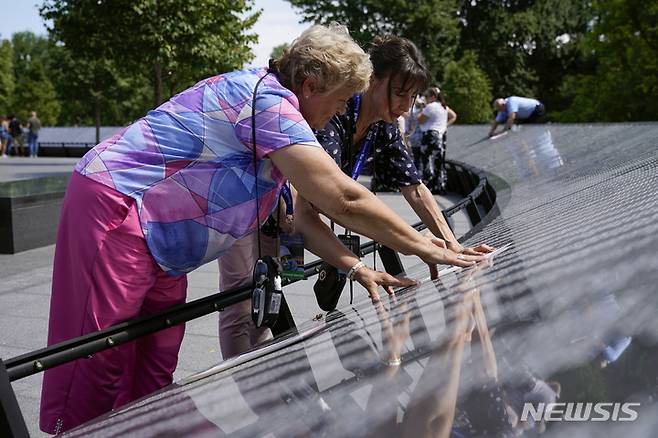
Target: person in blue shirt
(515, 109)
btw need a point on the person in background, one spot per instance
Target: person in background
(179, 187)
(413, 133)
(4, 136)
(16, 133)
(515, 109)
(33, 126)
(433, 122)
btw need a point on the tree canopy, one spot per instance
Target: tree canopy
(173, 43)
(7, 82)
(468, 90)
(110, 62)
(27, 75)
(277, 51)
(431, 24)
(622, 50)
(586, 60)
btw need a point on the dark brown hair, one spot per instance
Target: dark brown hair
(398, 58)
(437, 94)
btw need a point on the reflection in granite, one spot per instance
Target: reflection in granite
(29, 212)
(566, 313)
(34, 187)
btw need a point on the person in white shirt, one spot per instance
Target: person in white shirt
(433, 123)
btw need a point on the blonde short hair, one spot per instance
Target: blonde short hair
(328, 54)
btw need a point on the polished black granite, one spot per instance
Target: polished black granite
(29, 212)
(569, 302)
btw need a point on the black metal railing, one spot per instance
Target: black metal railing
(64, 149)
(479, 198)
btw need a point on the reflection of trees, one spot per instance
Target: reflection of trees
(635, 373)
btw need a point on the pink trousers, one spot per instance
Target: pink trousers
(104, 274)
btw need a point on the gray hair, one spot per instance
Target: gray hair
(328, 54)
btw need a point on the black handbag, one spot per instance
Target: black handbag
(328, 286)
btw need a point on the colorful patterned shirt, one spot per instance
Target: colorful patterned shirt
(189, 165)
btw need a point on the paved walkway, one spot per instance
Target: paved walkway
(26, 281)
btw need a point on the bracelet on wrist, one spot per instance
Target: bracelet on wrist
(393, 362)
(352, 272)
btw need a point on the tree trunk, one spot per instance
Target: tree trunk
(157, 85)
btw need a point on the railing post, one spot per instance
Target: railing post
(285, 321)
(473, 212)
(485, 199)
(391, 260)
(12, 424)
(464, 183)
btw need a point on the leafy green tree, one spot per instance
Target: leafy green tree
(173, 42)
(278, 50)
(562, 25)
(95, 90)
(623, 49)
(431, 24)
(467, 90)
(6, 76)
(526, 47)
(34, 91)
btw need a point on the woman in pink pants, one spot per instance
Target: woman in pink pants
(177, 188)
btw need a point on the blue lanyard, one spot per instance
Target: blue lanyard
(358, 165)
(287, 198)
(363, 153)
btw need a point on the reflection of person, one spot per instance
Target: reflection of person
(613, 349)
(433, 123)
(412, 132)
(359, 354)
(288, 261)
(494, 404)
(368, 131)
(534, 153)
(515, 109)
(486, 406)
(611, 340)
(431, 407)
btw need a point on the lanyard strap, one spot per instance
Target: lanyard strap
(365, 148)
(360, 159)
(287, 198)
(255, 160)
